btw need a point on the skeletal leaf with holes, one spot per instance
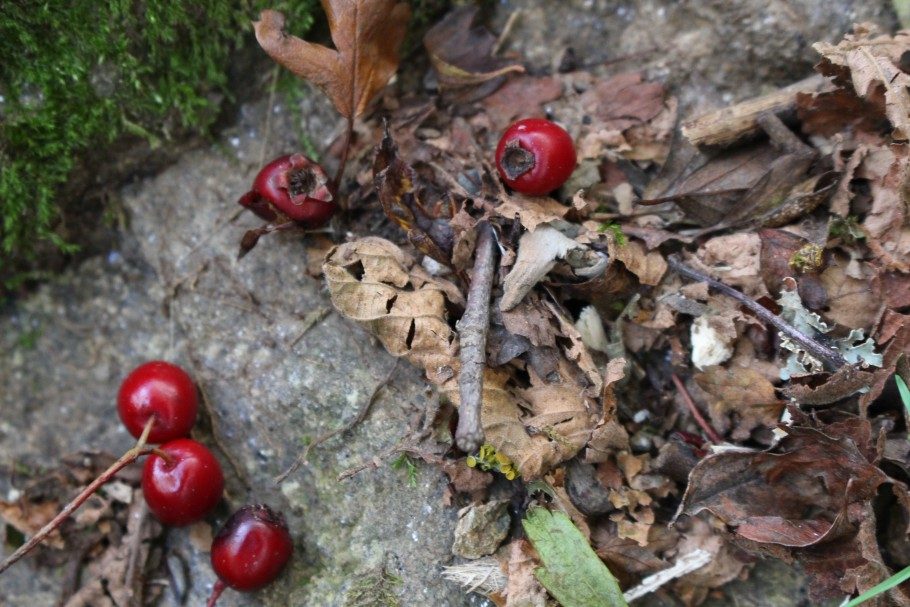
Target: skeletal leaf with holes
(533, 422)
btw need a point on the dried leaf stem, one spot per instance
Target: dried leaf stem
(708, 429)
(831, 358)
(472, 337)
(361, 415)
(343, 160)
(125, 460)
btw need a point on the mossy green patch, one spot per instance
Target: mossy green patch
(76, 75)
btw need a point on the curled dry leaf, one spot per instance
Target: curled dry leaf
(462, 50)
(872, 61)
(538, 251)
(366, 33)
(537, 425)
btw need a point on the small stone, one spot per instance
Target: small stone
(481, 529)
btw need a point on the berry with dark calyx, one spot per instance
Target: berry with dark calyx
(250, 550)
(292, 188)
(183, 484)
(162, 391)
(535, 156)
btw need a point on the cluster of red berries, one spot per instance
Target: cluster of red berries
(182, 481)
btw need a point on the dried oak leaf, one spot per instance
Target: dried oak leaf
(740, 399)
(462, 50)
(366, 34)
(520, 97)
(872, 63)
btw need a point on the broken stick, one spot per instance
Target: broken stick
(830, 357)
(731, 124)
(472, 337)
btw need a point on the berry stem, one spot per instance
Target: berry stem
(217, 589)
(693, 409)
(348, 135)
(137, 451)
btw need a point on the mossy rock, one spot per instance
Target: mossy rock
(79, 76)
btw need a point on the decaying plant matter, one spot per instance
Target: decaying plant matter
(750, 292)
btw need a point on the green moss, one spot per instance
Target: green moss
(77, 74)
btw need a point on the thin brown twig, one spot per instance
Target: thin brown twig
(125, 460)
(829, 356)
(376, 460)
(348, 136)
(472, 339)
(693, 409)
(358, 419)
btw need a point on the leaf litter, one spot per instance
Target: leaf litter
(709, 332)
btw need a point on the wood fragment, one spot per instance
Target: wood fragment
(472, 337)
(729, 125)
(831, 358)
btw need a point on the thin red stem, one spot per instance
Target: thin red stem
(693, 409)
(125, 460)
(217, 589)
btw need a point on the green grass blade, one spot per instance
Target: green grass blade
(896, 579)
(904, 392)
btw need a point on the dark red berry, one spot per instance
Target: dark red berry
(161, 390)
(535, 156)
(292, 187)
(183, 487)
(251, 548)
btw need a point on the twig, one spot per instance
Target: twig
(267, 129)
(693, 409)
(376, 460)
(361, 415)
(472, 337)
(125, 460)
(348, 135)
(506, 31)
(829, 356)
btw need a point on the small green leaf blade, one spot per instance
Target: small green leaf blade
(571, 572)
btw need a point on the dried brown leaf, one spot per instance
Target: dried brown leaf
(523, 589)
(740, 399)
(462, 50)
(872, 63)
(366, 34)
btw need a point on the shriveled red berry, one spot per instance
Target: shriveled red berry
(292, 187)
(161, 390)
(535, 156)
(250, 550)
(184, 486)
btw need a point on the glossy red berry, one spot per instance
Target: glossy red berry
(251, 549)
(535, 156)
(292, 187)
(183, 487)
(161, 390)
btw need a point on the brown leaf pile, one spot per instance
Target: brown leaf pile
(608, 375)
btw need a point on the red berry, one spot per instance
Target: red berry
(294, 187)
(161, 390)
(535, 156)
(251, 548)
(184, 487)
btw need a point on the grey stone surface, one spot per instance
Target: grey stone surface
(712, 52)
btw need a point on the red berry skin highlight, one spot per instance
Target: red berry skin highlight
(184, 487)
(161, 390)
(294, 187)
(546, 143)
(252, 548)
